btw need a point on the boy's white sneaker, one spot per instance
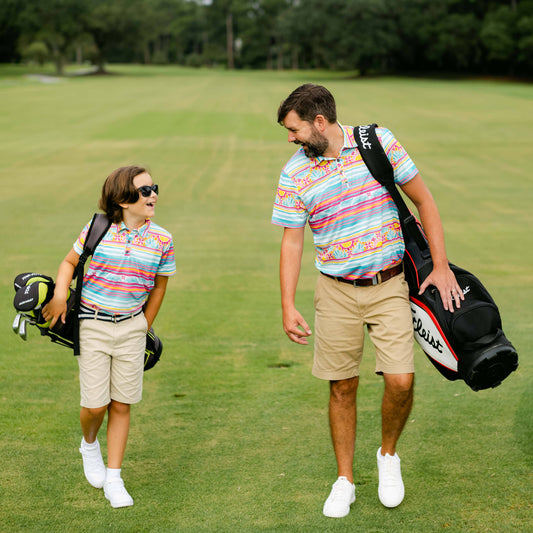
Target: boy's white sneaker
(117, 494)
(342, 495)
(391, 490)
(93, 464)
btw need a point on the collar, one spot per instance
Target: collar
(348, 143)
(122, 228)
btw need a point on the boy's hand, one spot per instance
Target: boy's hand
(55, 309)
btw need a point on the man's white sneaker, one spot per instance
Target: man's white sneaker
(391, 490)
(117, 494)
(93, 464)
(342, 495)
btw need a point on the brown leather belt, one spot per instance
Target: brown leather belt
(380, 277)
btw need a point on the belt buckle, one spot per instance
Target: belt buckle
(376, 279)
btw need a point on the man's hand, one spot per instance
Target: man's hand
(296, 327)
(450, 291)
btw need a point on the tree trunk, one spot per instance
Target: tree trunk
(229, 40)
(294, 58)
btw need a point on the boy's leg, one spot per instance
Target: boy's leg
(93, 464)
(118, 425)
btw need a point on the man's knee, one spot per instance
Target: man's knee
(399, 387)
(344, 390)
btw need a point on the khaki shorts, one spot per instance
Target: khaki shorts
(111, 361)
(341, 313)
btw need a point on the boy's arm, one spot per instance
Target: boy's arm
(155, 299)
(57, 307)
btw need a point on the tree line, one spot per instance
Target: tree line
(491, 37)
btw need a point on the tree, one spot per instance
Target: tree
(112, 22)
(57, 23)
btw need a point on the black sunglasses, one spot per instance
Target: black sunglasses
(146, 190)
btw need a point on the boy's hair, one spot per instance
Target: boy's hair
(308, 101)
(118, 189)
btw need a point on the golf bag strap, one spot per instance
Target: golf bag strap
(97, 229)
(381, 169)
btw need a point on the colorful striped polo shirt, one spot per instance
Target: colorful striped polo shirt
(354, 221)
(124, 265)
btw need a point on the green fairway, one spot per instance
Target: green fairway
(232, 433)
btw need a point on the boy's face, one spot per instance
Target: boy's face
(144, 207)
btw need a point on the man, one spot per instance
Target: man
(359, 250)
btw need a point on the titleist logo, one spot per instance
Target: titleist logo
(426, 334)
(430, 337)
(363, 137)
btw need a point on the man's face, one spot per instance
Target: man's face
(305, 134)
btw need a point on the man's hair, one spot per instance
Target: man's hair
(308, 101)
(118, 189)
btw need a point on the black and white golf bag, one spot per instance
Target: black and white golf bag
(467, 344)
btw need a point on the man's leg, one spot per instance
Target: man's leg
(342, 420)
(396, 406)
(395, 409)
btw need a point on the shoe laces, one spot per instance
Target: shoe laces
(390, 467)
(339, 488)
(91, 457)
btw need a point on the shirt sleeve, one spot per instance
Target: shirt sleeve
(167, 265)
(404, 168)
(289, 210)
(78, 245)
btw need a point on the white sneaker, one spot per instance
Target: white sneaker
(117, 494)
(93, 464)
(391, 490)
(342, 495)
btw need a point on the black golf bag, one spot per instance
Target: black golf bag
(467, 344)
(33, 291)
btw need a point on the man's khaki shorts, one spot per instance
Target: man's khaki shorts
(341, 313)
(111, 361)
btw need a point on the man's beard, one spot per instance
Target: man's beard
(316, 145)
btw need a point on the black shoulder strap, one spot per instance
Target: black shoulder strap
(97, 229)
(381, 169)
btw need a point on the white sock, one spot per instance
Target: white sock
(90, 446)
(112, 474)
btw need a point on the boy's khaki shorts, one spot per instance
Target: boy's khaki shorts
(341, 313)
(111, 361)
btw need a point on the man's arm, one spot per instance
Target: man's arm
(441, 276)
(292, 245)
